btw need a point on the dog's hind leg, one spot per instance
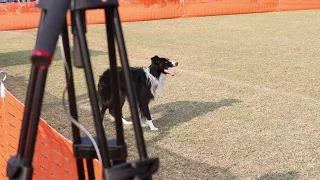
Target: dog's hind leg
(103, 111)
(111, 110)
(122, 100)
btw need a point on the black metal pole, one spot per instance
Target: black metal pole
(35, 115)
(114, 79)
(27, 112)
(90, 169)
(71, 95)
(51, 23)
(28, 101)
(131, 91)
(42, 17)
(56, 11)
(102, 141)
(20, 166)
(78, 62)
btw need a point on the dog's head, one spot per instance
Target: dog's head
(163, 65)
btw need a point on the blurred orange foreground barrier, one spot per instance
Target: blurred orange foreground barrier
(14, 16)
(53, 158)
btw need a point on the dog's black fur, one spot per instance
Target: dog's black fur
(144, 84)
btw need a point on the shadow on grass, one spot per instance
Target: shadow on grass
(292, 175)
(175, 166)
(23, 57)
(182, 111)
(185, 168)
(175, 113)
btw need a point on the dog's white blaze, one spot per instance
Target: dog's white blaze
(155, 83)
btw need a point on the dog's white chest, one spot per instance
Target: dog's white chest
(156, 84)
(162, 78)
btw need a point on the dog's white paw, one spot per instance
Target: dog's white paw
(143, 124)
(112, 119)
(154, 129)
(104, 123)
(126, 122)
(151, 126)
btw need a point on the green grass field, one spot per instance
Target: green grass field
(244, 103)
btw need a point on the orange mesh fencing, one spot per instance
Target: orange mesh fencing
(14, 16)
(53, 158)
(289, 5)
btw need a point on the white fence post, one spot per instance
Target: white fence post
(2, 88)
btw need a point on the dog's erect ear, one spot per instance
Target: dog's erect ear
(155, 59)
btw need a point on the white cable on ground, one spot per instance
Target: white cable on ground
(80, 126)
(75, 122)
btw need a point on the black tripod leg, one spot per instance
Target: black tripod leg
(27, 111)
(35, 114)
(71, 95)
(78, 62)
(16, 166)
(102, 140)
(41, 58)
(90, 169)
(15, 162)
(20, 167)
(131, 91)
(28, 101)
(114, 79)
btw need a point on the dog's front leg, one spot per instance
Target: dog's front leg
(146, 114)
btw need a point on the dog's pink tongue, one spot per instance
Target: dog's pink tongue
(168, 71)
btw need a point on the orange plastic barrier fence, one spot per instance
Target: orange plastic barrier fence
(14, 16)
(53, 158)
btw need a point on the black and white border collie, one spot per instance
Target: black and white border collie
(146, 82)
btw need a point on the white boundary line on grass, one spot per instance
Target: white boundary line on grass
(257, 87)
